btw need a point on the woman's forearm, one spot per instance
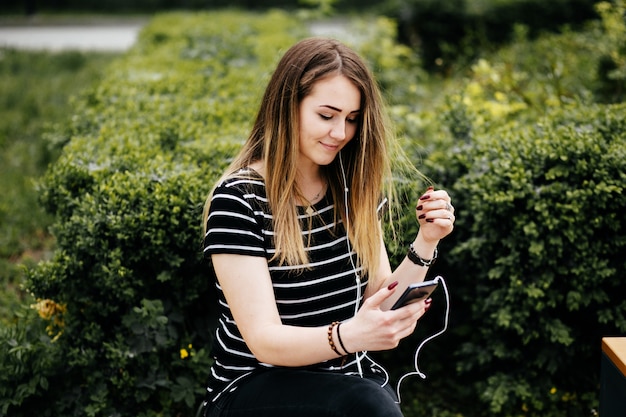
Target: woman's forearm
(291, 346)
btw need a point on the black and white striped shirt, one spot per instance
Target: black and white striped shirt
(240, 222)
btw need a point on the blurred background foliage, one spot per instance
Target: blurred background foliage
(514, 106)
(35, 88)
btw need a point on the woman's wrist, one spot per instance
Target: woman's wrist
(345, 337)
(343, 347)
(424, 249)
(418, 260)
(335, 340)
(331, 337)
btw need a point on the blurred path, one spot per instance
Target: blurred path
(105, 37)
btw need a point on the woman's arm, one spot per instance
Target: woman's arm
(435, 215)
(247, 286)
(246, 283)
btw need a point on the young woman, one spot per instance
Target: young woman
(294, 236)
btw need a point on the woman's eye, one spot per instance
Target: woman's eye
(351, 120)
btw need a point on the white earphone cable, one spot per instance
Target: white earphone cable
(428, 339)
(356, 274)
(361, 355)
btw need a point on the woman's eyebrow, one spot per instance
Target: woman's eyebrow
(328, 106)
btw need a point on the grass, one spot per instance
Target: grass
(35, 94)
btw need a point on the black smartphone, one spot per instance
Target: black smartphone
(416, 292)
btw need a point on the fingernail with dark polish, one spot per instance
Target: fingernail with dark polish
(425, 197)
(431, 188)
(421, 216)
(392, 285)
(428, 301)
(430, 220)
(418, 208)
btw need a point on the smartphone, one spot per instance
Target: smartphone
(416, 292)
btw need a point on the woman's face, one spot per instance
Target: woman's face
(329, 118)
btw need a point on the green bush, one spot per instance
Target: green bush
(130, 331)
(35, 94)
(540, 229)
(534, 166)
(535, 265)
(29, 365)
(536, 169)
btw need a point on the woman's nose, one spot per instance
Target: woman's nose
(338, 130)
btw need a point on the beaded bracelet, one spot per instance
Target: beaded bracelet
(330, 338)
(418, 260)
(341, 341)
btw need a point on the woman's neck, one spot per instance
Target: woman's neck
(311, 183)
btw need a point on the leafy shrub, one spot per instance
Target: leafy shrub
(131, 332)
(125, 303)
(35, 94)
(535, 264)
(29, 365)
(542, 236)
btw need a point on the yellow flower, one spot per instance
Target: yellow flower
(51, 311)
(553, 391)
(48, 308)
(183, 353)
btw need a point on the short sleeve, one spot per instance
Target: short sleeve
(232, 226)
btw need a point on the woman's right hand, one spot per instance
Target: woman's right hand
(373, 329)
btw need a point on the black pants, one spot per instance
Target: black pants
(299, 393)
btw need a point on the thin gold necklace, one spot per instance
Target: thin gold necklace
(309, 209)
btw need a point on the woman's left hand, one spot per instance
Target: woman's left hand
(435, 214)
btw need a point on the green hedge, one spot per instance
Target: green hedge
(537, 171)
(129, 327)
(535, 167)
(538, 258)
(35, 91)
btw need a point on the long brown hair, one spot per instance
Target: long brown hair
(274, 139)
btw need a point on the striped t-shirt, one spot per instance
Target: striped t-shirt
(240, 222)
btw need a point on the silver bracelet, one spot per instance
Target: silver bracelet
(418, 260)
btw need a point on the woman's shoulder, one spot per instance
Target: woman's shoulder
(242, 179)
(245, 186)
